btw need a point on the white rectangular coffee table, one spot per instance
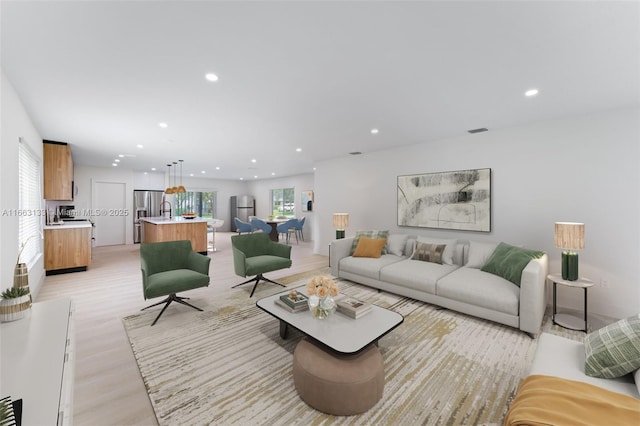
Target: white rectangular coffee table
(338, 332)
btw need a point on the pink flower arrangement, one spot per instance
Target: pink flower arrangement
(322, 286)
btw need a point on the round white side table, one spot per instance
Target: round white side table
(569, 321)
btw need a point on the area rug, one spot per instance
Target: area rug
(228, 365)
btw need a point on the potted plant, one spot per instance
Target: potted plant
(14, 304)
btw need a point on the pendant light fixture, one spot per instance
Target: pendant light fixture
(174, 188)
(169, 189)
(181, 189)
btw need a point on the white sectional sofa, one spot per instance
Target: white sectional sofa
(461, 285)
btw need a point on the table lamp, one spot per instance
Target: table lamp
(569, 236)
(340, 222)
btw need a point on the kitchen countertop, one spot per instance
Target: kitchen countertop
(159, 220)
(69, 225)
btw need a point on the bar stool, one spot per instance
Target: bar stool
(213, 224)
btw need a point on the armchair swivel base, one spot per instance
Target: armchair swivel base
(171, 298)
(257, 279)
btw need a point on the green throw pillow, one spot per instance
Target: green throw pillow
(369, 234)
(614, 350)
(508, 262)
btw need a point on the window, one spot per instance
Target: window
(283, 202)
(202, 203)
(29, 204)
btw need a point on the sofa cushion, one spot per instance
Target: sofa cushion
(508, 261)
(396, 244)
(470, 285)
(368, 234)
(415, 274)
(614, 350)
(479, 253)
(369, 247)
(367, 266)
(428, 252)
(447, 255)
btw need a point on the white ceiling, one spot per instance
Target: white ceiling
(311, 75)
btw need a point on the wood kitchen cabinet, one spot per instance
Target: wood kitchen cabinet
(58, 171)
(67, 249)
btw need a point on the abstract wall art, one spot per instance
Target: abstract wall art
(446, 200)
(307, 201)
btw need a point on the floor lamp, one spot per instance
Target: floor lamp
(569, 236)
(340, 222)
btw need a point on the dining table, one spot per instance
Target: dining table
(274, 222)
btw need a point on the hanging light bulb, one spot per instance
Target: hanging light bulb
(169, 189)
(174, 188)
(181, 189)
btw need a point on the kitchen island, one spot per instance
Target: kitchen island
(157, 229)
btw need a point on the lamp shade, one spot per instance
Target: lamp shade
(569, 235)
(340, 220)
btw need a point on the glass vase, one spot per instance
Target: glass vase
(321, 308)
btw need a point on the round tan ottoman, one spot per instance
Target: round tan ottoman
(338, 384)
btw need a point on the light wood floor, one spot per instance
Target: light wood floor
(108, 388)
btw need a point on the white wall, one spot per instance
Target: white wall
(261, 190)
(583, 169)
(16, 124)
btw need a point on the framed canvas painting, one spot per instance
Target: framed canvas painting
(307, 201)
(446, 200)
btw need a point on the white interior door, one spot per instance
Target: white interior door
(109, 208)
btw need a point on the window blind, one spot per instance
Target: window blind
(29, 204)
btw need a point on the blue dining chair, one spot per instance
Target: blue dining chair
(299, 227)
(284, 227)
(242, 226)
(261, 225)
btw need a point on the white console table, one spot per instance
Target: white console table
(37, 363)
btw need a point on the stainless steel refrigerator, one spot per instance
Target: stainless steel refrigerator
(242, 206)
(145, 204)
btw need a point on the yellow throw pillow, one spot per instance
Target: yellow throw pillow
(369, 247)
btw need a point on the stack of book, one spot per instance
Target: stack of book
(293, 302)
(352, 307)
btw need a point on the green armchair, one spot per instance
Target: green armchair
(255, 254)
(169, 267)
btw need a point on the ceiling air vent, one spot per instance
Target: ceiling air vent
(479, 130)
(355, 153)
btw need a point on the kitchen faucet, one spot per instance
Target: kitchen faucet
(163, 211)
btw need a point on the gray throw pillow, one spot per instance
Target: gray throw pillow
(614, 350)
(428, 252)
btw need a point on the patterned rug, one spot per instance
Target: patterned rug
(228, 365)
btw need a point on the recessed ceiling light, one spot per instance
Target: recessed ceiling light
(163, 125)
(139, 146)
(115, 164)
(253, 160)
(121, 155)
(146, 173)
(298, 149)
(153, 169)
(241, 178)
(273, 174)
(531, 92)
(116, 160)
(203, 172)
(211, 77)
(217, 167)
(191, 174)
(255, 176)
(374, 131)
